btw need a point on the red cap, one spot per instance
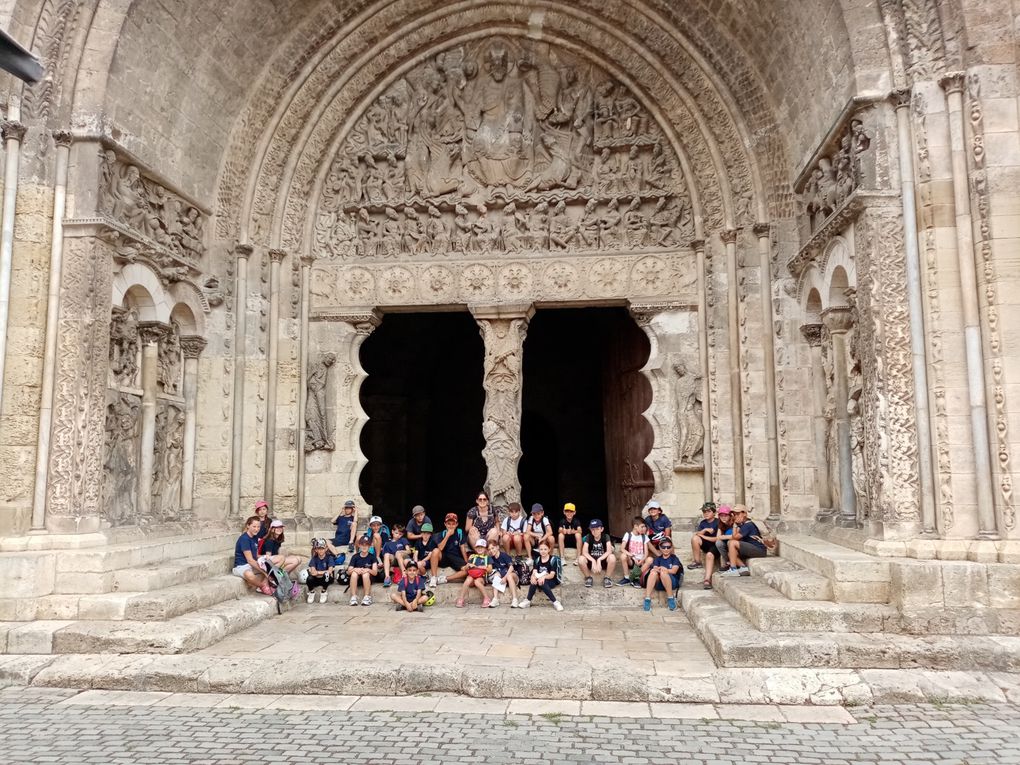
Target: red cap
(261, 503)
(450, 517)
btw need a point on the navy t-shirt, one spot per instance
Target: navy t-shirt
(245, 542)
(411, 587)
(711, 525)
(362, 561)
(657, 525)
(413, 527)
(423, 548)
(264, 527)
(270, 546)
(749, 529)
(343, 529)
(320, 564)
(393, 546)
(667, 562)
(453, 546)
(501, 564)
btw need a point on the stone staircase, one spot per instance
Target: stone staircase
(164, 592)
(824, 605)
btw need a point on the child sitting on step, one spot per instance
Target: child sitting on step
(410, 594)
(634, 550)
(503, 576)
(666, 573)
(391, 557)
(545, 575)
(362, 568)
(320, 570)
(479, 566)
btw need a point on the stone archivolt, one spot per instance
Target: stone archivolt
(502, 146)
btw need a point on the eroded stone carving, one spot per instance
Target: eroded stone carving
(835, 176)
(471, 151)
(689, 428)
(124, 347)
(120, 462)
(170, 365)
(319, 433)
(168, 463)
(150, 209)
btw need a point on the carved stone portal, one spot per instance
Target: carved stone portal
(503, 330)
(502, 146)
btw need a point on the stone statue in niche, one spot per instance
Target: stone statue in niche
(124, 347)
(836, 175)
(167, 463)
(170, 366)
(831, 434)
(516, 128)
(689, 428)
(120, 460)
(318, 435)
(855, 411)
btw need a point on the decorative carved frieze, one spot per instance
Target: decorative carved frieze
(502, 146)
(150, 210)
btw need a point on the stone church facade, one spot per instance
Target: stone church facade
(809, 209)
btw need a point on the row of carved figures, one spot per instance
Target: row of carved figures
(836, 176)
(125, 352)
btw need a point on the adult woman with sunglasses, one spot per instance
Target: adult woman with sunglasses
(482, 521)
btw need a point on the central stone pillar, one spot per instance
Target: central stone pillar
(192, 347)
(503, 329)
(813, 335)
(151, 334)
(839, 321)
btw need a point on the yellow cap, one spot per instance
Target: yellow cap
(569, 506)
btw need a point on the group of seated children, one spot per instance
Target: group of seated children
(499, 557)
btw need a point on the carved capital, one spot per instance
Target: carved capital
(503, 311)
(762, 230)
(838, 320)
(643, 313)
(243, 251)
(192, 346)
(698, 245)
(276, 255)
(62, 137)
(152, 332)
(953, 82)
(900, 98)
(812, 333)
(728, 236)
(307, 261)
(12, 130)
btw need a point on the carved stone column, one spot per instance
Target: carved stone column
(306, 269)
(729, 238)
(275, 257)
(763, 231)
(13, 133)
(813, 335)
(839, 321)
(243, 252)
(192, 347)
(503, 329)
(150, 333)
(698, 245)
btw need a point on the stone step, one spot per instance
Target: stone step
(182, 634)
(734, 642)
(854, 577)
(154, 605)
(156, 576)
(791, 580)
(770, 611)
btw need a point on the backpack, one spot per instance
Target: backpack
(520, 567)
(282, 585)
(768, 536)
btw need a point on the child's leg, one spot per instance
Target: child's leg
(585, 565)
(653, 577)
(395, 598)
(434, 562)
(563, 544)
(734, 545)
(610, 565)
(709, 565)
(366, 580)
(696, 548)
(532, 589)
(387, 564)
(548, 590)
(667, 584)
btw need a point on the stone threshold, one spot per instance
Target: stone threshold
(249, 676)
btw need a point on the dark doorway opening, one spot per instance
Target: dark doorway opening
(582, 433)
(423, 396)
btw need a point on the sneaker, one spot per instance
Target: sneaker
(322, 597)
(648, 604)
(494, 603)
(432, 581)
(557, 605)
(398, 608)
(442, 579)
(588, 581)
(419, 610)
(743, 571)
(367, 600)
(460, 602)
(607, 582)
(354, 600)
(524, 604)
(350, 548)
(730, 572)
(636, 584)
(514, 603)
(624, 581)
(486, 603)
(694, 566)
(311, 597)
(671, 602)
(387, 582)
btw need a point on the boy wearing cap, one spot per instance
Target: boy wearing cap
(451, 551)
(379, 536)
(745, 544)
(666, 573)
(570, 526)
(391, 554)
(413, 530)
(345, 524)
(707, 527)
(422, 548)
(320, 570)
(658, 524)
(597, 555)
(503, 575)
(362, 568)
(478, 568)
(410, 594)
(538, 530)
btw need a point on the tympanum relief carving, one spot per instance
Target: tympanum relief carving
(502, 146)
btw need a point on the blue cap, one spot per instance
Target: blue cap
(537, 508)
(595, 524)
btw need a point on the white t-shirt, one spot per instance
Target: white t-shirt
(540, 527)
(513, 526)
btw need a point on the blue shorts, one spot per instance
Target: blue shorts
(678, 579)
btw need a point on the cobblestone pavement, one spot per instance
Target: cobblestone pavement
(63, 726)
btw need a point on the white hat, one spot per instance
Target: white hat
(654, 503)
(374, 519)
(481, 542)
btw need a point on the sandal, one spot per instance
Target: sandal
(707, 584)
(693, 566)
